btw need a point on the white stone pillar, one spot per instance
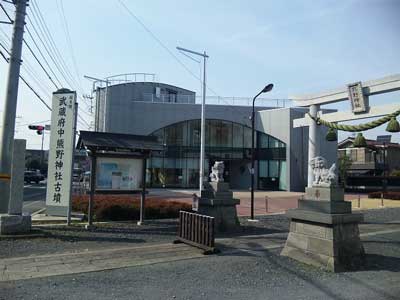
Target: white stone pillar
(312, 142)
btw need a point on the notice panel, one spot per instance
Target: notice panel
(118, 173)
(61, 151)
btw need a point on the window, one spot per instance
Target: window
(194, 133)
(227, 141)
(247, 137)
(237, 135)
(263, 140)
(174, 135)
(263, 168)
(273, 143)
(273, 168)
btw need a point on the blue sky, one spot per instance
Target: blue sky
(302, 47)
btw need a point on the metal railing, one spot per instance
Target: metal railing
(169, 98)
(197, 230)
(211, 100)
(246, 101)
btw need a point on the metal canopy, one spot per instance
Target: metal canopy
(106, 141)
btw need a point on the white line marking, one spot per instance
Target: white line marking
(29, 204)
(380, 232)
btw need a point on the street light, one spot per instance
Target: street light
(203, 118)
(267, 89)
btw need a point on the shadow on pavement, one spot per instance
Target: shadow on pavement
(311, 274)
(250, 230)
(69, 238)
(377, 262)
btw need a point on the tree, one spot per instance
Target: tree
(344, 164)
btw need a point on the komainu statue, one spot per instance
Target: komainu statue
(217, 172)
(322, 175)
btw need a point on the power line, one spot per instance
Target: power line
(81, 120)
(171, 53)
(68, 38)
(42, 55)
(9, 18)
(37, 95)
(46, 47)
(158, 40)
(27, 84)
(28, 68)
(38, 16)
(38, 61)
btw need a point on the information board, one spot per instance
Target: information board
(118, 173)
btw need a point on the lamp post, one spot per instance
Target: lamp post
(267, 89)
(203, 119)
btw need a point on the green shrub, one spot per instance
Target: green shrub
(395, 173)
(127, 207)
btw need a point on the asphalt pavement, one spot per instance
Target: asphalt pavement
(34, 197)
(249, 267)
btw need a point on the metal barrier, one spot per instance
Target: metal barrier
(196, 230)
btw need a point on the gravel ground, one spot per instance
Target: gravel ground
(245, 275)
(59, 239)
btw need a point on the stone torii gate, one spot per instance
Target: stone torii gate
(323, 229)
(358, 94)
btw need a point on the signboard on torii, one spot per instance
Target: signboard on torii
(358, 94)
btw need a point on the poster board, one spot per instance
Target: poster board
(118, 173)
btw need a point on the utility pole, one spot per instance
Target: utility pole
(10, 107)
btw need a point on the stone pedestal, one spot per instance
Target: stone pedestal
(217, 201)
(14, 224)
(324, 232)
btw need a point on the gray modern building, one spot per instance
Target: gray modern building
(173, 115)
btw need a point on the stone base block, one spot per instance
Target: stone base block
(215, 194)
(318, 217)
(14, 224)
(321, 193)
(225, 216)
(217, 186)
(335, 247)
(218, 202)
(330, 207)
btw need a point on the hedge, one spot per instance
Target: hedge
(126, 207)
(386, 195)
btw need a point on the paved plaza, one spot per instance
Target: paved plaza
(125, 261)
(270, 202)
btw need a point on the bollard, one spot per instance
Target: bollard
(266, 203)
(359, 202)
(382, 200)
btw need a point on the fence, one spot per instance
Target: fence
(197, 230)
(372, 183)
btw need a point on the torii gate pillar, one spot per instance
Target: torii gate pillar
(313, 150)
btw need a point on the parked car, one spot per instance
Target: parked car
(77, 174)
(31, 176)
